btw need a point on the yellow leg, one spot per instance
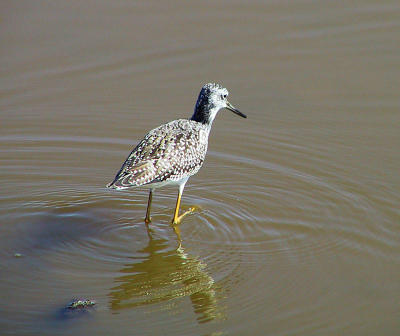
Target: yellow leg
(177, 231)
(175, 220)
(147, 220)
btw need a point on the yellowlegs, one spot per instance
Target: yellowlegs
(171, 153)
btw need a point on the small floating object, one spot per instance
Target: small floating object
(18, 255)
(77, 308)
(80, 304)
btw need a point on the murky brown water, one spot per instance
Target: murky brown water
(298, 232)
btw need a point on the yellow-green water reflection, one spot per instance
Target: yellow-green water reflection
(165, 274)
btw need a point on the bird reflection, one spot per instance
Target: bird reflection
(163, 274)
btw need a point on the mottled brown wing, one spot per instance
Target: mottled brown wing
(167, 152)
(140, 166)
(133, 176)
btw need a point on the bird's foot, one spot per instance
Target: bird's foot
(178, 220)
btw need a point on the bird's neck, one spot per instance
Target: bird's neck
(204, 116)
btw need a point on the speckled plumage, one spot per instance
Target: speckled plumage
(173, 152)
(167, 153)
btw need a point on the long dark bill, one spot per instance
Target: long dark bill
(230, 107)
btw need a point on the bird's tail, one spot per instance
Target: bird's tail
(112, 185)
(117, 185)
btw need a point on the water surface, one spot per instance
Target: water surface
(297, 231)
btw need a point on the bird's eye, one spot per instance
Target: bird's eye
(223, 97)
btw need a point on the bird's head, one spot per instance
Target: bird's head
(212, 98)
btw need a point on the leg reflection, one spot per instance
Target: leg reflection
(160, 273)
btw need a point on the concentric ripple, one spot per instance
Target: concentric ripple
(260, 213)
(81, 239)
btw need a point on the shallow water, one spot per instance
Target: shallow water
(297, 231)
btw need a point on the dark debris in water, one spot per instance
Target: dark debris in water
(77, 307)
(80, 304)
